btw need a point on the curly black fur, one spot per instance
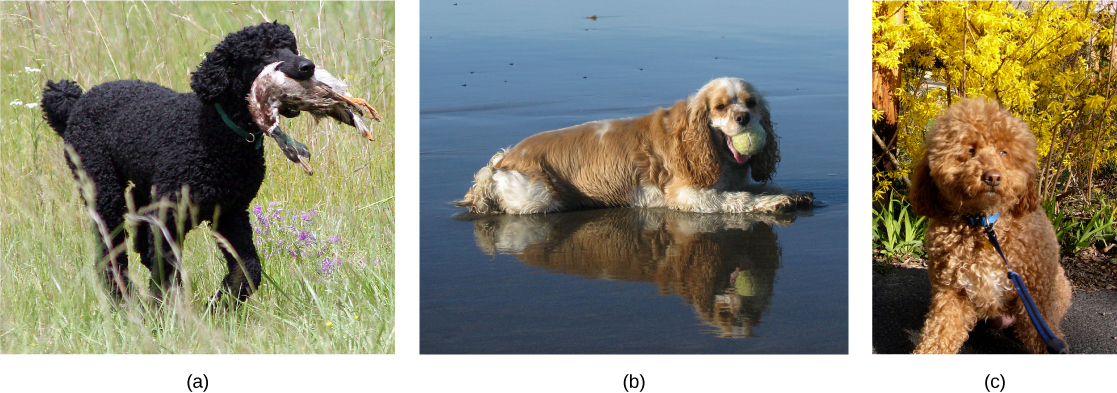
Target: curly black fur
(161, 140)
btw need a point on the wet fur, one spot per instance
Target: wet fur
(673, 157)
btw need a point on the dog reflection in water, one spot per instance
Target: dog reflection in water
(724, 265)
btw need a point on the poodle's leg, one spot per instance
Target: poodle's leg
(1025, 331)
(109, 205)
(948, 323)
(1060, 302)
(1053, 300)
(143, 240)
(114, 257)
(244, 268)
(154, 239)
(110, 208)
(156, 253)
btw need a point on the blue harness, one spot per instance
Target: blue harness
(1054, 344)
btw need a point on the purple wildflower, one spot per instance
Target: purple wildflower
(329, 266)
(289, 235)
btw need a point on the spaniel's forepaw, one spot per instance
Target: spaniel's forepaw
(791, 201)
(801, 198)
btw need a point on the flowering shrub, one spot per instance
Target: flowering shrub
(281, 233)
(1050, 63)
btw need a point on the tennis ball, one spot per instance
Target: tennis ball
(749, 141)
(743, 285)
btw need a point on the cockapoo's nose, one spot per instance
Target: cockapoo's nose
(743, 119)
(991, 177)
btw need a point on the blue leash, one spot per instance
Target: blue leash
(1054, 344)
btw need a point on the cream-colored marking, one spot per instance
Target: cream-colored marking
(602, 128)
(702, 200)
(518, 194)
(647, 196)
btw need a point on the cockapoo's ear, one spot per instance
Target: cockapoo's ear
(924, 194)
(762, 166)
(695, 149)
(1029, 199)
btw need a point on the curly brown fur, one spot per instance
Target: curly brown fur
(981, 160)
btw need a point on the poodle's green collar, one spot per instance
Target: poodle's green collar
(251, 137)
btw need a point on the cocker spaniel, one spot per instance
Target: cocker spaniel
(695, 156)
(980, 161)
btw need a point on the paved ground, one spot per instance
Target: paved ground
(901, 295)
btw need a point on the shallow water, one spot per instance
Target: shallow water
(630, 280)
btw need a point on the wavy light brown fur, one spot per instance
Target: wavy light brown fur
(673, 157)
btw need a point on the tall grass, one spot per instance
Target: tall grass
(336, 295)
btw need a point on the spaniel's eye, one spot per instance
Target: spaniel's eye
(751, 102)
(721, 107)
(1004, 153)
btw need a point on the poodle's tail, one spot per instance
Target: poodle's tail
(58, 99)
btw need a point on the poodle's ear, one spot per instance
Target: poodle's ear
(213, 79)
(1029, 200)
(924, 195)
(762, 166)
(695, 152)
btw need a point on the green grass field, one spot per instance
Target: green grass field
(331, 295)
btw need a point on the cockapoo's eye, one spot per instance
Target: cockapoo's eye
(972, 151)
(721, 107)
(751, 102)
(269, 53)
(1004, 153)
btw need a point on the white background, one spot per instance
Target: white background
(408, 371)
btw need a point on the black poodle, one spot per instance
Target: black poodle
(161, 140)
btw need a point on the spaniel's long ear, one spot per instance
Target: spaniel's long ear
(762, 166)
(924, 195)
(695, 151)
